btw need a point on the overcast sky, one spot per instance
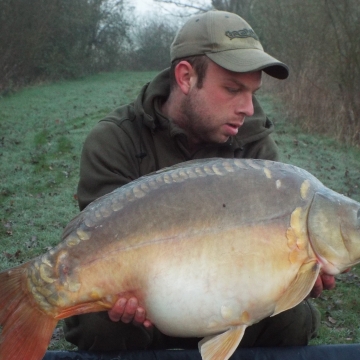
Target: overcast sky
(144, 7)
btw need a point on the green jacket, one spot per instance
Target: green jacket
(136, 139)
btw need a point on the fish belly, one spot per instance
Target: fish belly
(202, 285)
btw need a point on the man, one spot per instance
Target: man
(203, 107)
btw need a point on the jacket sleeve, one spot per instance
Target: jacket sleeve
(108, 161)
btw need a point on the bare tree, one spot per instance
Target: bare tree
(241, 7)
(152, 41)
(344, 20)
(58, 38)
(184, 8)
(319, 40)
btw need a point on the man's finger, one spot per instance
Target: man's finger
(328, 281)
(139, 317)
(148, 324)
(317, 288)
(117, 310)
(130, 310)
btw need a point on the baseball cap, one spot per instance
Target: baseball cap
(228, 40)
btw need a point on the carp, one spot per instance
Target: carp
(208, 248)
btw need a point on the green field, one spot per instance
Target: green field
(42, 130)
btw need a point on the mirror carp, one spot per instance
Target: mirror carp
(208, 247)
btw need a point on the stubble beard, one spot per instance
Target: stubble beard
(196, 122)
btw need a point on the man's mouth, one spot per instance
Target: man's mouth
(232, 129)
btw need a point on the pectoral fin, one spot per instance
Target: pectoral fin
(300, 287)
(221, 346)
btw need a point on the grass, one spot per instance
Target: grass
(42, 130)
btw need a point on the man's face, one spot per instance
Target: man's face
(215, 112)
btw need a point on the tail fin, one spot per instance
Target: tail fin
(26, 330)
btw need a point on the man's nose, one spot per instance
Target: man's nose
(245, 106)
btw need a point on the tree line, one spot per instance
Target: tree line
(319, 41)
(42, 39)
(56, 39)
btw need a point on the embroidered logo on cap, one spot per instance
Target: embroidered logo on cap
(243, 33)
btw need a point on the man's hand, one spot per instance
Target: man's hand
(129, 311)
(324, 282)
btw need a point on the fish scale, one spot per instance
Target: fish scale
(208, 247)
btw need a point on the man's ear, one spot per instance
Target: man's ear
(185, 76)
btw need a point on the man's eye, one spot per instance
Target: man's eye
(232, 90)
